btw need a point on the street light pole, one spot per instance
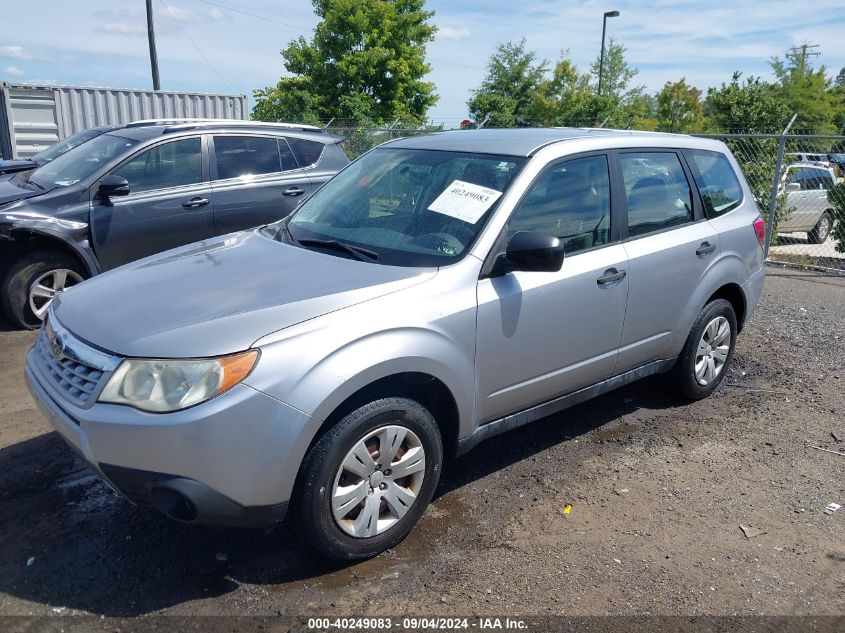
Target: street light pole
(607, 14)
(151, 36)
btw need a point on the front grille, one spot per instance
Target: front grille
(75, 381)
(74, 370)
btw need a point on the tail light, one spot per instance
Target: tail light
(760, 230)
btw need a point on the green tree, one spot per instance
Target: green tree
(616, 74)
(679, 107)
(805, 90)
(564, 98)
(365, 62)
(752, 106)
(507, 93)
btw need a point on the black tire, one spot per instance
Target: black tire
(22, 274)
(684, 371)
(822, 230)
(312, 501)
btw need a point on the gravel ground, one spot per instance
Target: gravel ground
(658, 490)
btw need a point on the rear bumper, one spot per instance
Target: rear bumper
(224, 462)
(753, 289)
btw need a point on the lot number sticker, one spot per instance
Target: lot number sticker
(464, 201)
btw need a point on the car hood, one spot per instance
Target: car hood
(11, 191)
(219, 296)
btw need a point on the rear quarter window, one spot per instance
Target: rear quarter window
(307, 152)
(717, 182)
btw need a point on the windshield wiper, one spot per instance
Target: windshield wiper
(361, 254)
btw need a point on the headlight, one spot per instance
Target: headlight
(170, 385)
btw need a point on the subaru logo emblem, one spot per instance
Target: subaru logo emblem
(57, 346)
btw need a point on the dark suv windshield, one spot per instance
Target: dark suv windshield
(407, 207)
(57, 149)
(81, 161)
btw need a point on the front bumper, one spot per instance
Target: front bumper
(231, 459)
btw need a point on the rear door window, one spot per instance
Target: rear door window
(656, 190)
(717, 182)
(246, 156)
(307, 152)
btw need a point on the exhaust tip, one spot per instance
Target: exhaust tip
(173, 504)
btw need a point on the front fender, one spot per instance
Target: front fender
(70, 234)
(315, 366)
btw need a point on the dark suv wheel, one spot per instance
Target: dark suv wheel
(707, 353)
(368, 480)
(32, 282)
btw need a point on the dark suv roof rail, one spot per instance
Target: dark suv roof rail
(174, 125)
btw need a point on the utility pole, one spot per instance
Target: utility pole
(607, 14)
(151, 36)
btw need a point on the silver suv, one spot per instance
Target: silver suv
(438, 291)
(810, 209)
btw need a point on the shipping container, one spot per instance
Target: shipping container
(34, 117)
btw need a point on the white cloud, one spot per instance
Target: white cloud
(19, 52)
(452, 33)
(120, 28)
(173, 13)
(14, 71)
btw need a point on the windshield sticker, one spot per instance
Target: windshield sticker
(465, 201)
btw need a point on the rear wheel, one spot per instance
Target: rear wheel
(708, 350)
(34, 280)
(821, 231)
(368, 480)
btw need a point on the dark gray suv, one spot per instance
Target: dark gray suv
(146, 188)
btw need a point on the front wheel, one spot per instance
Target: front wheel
(34, 280)
(368, 480)
(708, 350)
(821, 231)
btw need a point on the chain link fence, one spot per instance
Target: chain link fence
(804, 205)
(800, 193)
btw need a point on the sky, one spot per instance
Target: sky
(232, 46)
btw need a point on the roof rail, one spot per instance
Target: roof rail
(174, 125)
(168, 121)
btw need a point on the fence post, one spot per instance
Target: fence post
(773, 197)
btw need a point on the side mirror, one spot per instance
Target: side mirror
(793, 186)
(113, 185)
(532, 251)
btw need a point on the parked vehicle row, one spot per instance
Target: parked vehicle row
(144, 188)
(439, 290)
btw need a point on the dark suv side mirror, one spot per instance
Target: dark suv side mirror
(531, 251)
(113, 185)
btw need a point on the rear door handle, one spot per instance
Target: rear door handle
(610, 276)
(293, 191)
(705, 249)
(193, 203)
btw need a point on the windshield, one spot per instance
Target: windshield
(57, 149)
(405, 207)
(81, 161)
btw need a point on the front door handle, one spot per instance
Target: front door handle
(610, 277)
(193, 203)
(705, 249)
(293, 191)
